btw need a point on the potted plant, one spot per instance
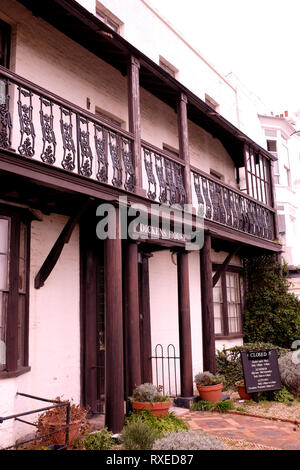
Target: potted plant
(55, 420)
(241, 389)
(209, 386)
(149, 397)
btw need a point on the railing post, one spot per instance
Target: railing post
(183, 136)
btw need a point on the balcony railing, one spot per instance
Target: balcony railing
(162, 177)
(39, 125)
(230, 207)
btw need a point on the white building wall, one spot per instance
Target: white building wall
(54, 331)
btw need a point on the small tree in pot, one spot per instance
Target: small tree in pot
(149, 397)
(209, 386)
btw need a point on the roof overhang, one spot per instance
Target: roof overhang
(69, 17)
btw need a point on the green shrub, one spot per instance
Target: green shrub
(138, 435)
(290, 374)
(223, 406)
(163, 425)
(220, 406)
(101, 440)
(188, 440)
(202, 405)
(229, 362)
(283, 396)
(271, 312)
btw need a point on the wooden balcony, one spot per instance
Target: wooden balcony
(38, 126)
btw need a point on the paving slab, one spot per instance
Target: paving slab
(275, 434)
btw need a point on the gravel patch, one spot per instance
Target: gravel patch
(269, 409)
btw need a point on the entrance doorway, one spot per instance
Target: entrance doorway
(92, 319)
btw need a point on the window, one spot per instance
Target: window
(215, 174)
(227, 296)
(14, 286)
(212, 103)
(174, 152)
(108, 18)
(168, 67)
(4, 44)
(104, 115)
(258, 175)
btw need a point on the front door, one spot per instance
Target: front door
(92, 319)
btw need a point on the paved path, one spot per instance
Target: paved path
(274, 434)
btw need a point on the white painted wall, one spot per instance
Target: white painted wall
(54, 331)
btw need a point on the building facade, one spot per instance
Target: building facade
(90, 122)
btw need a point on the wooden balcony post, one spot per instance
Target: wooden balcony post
(132, 318)
(146, 348)
(185, 338)
(208, 328)
(183, 136)
(134, 119)
(114, 367)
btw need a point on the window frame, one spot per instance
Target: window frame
(5, 43)
(13, 367)
(224, 306)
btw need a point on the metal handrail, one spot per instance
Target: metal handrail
(56, 404)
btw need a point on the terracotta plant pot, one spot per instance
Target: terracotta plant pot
(59, 438)
(158, 408)
(241, 389)
(210, 393)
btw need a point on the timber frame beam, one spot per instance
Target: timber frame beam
(223, 266)
(57, 248)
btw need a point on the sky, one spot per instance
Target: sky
(258, 40)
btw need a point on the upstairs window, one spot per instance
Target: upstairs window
(108, 18)
(110, 118)
(257, 175)
(212, 103)
(5, 32)
(168, 67)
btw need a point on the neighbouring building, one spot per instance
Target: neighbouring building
(283, 141)
(88, 115)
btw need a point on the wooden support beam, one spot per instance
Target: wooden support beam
(57, 248)
(146, 347)
(223, 266)
(183, 136)
(208, 327)
(185, 337)
(134, 119)
(132, 318)
(114, 367)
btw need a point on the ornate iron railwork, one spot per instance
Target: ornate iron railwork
(163, 197)
(48, 135)
(229, 208)
(114, 148)
(85, 156)
(181, 194)
(27, 131)
(151, 193)
(169, 172)
(5, 118)
(100, 145)
(66, 128)
(198, 190)
(129, 184)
